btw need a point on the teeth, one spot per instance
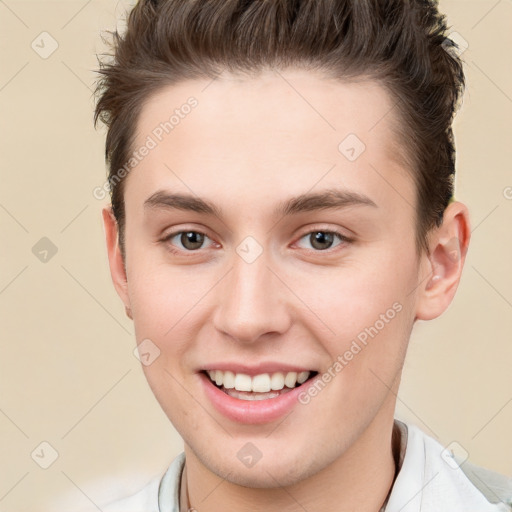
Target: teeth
(262, 383)
(242, 381)
(302, 377)
(290, 379)
(229, 380)
(243, 395)
(277, 381)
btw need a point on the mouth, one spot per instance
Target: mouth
(263, 386)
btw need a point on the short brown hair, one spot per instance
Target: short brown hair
(401, 44)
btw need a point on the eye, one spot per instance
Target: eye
(189, 240)
(322, 240)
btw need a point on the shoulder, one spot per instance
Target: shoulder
(457, 477)
(496, 488)
(145, 500)
(161, 494)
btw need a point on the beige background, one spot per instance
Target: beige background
(68, 375)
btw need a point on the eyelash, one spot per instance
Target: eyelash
(342, 238)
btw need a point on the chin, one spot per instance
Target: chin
(262, 476)
(279, 469)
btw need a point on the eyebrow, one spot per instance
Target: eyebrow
(307, 202)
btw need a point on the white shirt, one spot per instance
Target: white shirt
(427, 482)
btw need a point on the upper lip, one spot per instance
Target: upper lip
(264, 367)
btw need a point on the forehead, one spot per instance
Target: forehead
(283, 128)
(295, 101)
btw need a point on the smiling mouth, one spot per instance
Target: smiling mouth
(258, 387)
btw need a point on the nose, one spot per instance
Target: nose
(251, 302)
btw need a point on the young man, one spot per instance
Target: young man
(282, 214)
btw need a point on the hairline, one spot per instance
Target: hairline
(400, 155)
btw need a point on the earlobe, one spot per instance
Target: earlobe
(115, 258)
(449, 244)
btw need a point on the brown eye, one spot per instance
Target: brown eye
(322, 240)
(186, 240)
(192, 240)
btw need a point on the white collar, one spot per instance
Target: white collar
(425, 482)
(428, 483)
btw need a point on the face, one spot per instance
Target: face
(271, 231)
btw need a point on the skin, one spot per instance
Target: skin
(249, 145)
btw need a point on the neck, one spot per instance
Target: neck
(360, 479)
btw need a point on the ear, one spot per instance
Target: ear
(115, 258)
(443, 266)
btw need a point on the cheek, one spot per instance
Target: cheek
(168, 308)
(364, 314)
(350, 298)
(157, 295)
(168, 387)
(155, 307)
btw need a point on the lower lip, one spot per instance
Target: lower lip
(251, 411)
